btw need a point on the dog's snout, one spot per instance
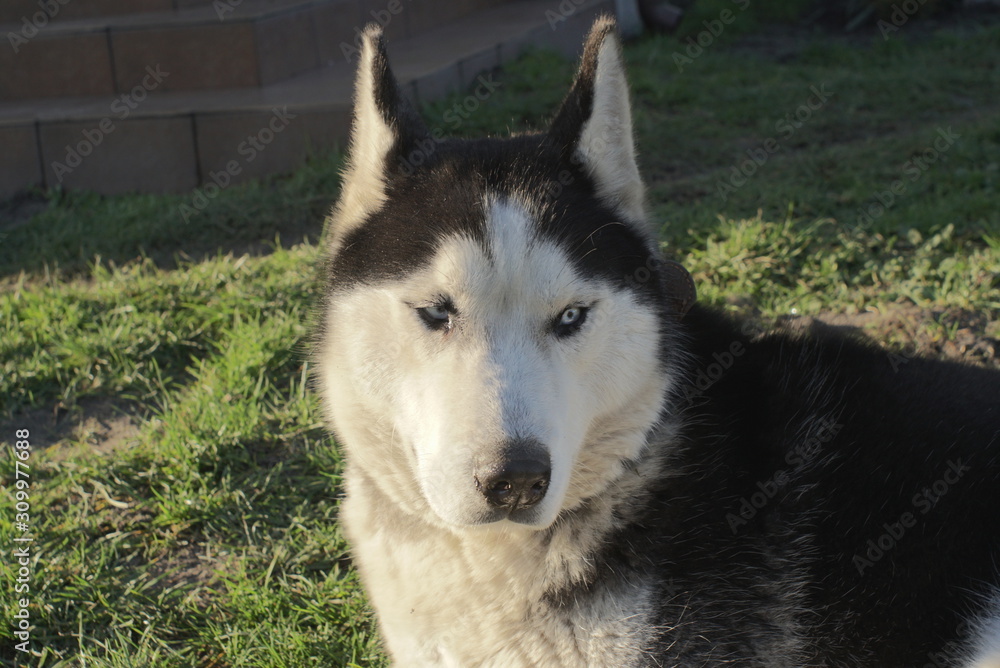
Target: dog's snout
(519, 480)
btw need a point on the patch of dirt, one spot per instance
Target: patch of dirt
(104, 425)
(951, 334)
(107, 426)
(189, 565)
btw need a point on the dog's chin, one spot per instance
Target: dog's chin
(531, 518)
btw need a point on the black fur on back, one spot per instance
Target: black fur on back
(791, 460)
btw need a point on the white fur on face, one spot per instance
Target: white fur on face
(443, 403)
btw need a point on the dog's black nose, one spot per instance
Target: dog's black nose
(518, 481)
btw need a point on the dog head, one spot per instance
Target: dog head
(497, 324)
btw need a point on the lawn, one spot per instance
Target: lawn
(182, 491)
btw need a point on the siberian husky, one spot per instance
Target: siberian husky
(555, 458)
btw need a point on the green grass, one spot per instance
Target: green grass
(208, 537)
(213, 540)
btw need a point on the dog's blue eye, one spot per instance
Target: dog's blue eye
(437, 316)
(436, 312)
(570, 315)
(569, 320)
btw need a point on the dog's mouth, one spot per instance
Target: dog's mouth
(528, 517)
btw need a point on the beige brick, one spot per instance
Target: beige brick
(424, 15)
(246, 145)
(148, 155)
(21, 166)
(286, 45)
(335, 24)
(197, 57)
(51, 66)
(13, 11)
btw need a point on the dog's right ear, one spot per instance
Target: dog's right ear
(593, 127)
(385, 128)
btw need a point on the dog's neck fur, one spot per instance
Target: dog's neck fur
(437, 625)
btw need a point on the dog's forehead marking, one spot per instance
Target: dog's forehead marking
(523, 262)
(511, 271)
(509, 236)
(511, 267)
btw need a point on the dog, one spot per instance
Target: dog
(555, 457)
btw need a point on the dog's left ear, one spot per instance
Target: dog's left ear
(385, 127)
(594, 125)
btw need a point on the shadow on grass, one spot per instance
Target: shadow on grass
(229, 552)
(66, 231)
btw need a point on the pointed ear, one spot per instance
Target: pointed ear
(384, 128)
(594, 125)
